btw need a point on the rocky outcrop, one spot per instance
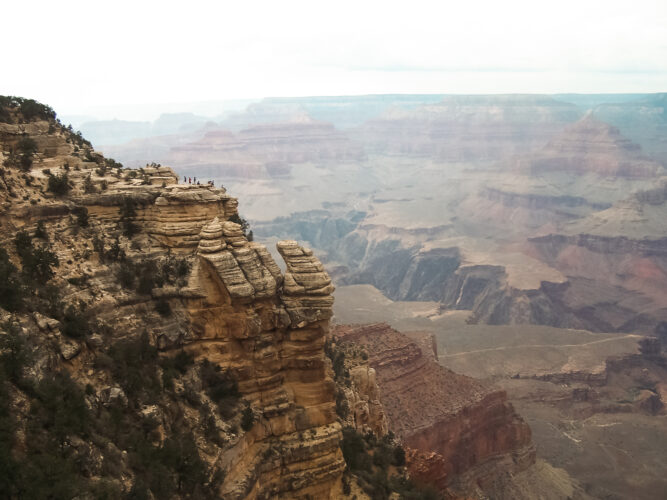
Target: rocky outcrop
(363, 399)
(232, 306)
(452, 423)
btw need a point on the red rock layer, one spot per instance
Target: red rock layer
(452, 422)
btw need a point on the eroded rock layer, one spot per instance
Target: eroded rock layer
(453, 423)
(232, 307)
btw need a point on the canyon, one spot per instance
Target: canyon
(498, 260)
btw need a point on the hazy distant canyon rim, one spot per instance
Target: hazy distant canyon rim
(516, 207)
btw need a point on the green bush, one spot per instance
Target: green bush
(174, 366)
(60, 408)
(28, 109)
(126, 276)
(37, 262)
(14, 353)
(27, 146)
(81, 214)
(59, 184)
(353, 447)
(76, 324)
(11, 287)
(163, 307)
(40, 231)
(127, 214)
(247, 418)
(89, 185)
(220, 386)
(135, 368)
(240, 221)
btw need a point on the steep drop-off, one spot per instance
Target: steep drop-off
(136, 262)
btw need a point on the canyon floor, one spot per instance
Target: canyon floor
(551, 376)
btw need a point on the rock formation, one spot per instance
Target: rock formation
(263, 151)
(592, 146)
(231, 307)
(464, 128)
(453, 424)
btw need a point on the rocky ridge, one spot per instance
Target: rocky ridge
(231, 307)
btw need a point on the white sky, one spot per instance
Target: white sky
(79, 55)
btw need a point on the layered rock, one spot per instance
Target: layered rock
(643, 120)
(232, 307)
(263, 151)
(454, 423)
(463, 128)
(594, 147)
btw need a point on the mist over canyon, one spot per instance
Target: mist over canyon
(475, 307)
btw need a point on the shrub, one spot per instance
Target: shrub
(59, 184)
(163, 307)
(220, 386)
(399, 456)
(135, 368)
(60, 407)
(126, 276)
(13, 352)
(37, 262)
(241, 221)
(353, 447)
(81, 214)
(127, 215)
(11, 287)
(27, 146)
(40, 231)
(148, 277)
(75, 322)
(31, 109)
(89, 185)
(247, 418)
(23, 243)
(174, 366)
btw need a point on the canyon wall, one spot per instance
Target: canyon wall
(453, 424)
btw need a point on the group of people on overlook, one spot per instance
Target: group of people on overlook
(193, 180)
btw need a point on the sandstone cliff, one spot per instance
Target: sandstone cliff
(144, 263)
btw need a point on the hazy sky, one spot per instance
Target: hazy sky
(78, 56)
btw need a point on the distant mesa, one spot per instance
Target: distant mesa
(264, 151)
(591, 146)
(463, 128)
